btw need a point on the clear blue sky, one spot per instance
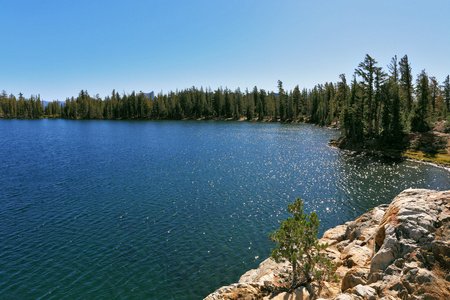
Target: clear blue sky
(56, 48)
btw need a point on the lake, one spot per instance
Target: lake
(168, 210)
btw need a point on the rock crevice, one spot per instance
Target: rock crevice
(396, 251)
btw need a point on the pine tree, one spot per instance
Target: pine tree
(367, 70)
(228, 104)
(218, 102)
(396, 127)
(447, 92)
(341, 97)
(256, 103)
(239, 104)
(406, 82)
(250, 105)
(352, 115)
(290, 106)
(271, 105)
(263, 104)
(296, 98)
(201, 105)
(314, 97)
(296, 241)
(434, 93)
(380, 95)
(419, 120)
(387, 91)
(282, 101)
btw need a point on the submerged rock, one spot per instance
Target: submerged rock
(396, 251)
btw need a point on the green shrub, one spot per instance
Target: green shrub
(297, 242)
(447, 125)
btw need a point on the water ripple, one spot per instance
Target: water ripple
(152, 209)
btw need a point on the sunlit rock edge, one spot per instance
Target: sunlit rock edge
(396, 251)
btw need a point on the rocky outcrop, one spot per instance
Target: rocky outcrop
(396, 251)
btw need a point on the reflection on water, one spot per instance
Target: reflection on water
(168, 210)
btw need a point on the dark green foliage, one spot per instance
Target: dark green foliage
(381, 96)
(447, 92)
(372, 118)
(340, 100)
(271, 105)
(406, 83)
(396, 120)
(296, 241)
(321, 98)
(249, 98)
(387, 114)
(22, 108)
(447, 125)
(352, 125)
(374, 110)
(263, 107)
(239, 104)
(282, 100)
(351, 118)
(434, 93)
(367, 70)
(190, 104)
(297, 102)
(419, 121)
(53, 110)
(228, 104)
(391, 117)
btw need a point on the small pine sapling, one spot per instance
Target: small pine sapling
(296, 241)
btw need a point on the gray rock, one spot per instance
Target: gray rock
(347, 297)
(395, 251)
(354, 277)
(365, 292)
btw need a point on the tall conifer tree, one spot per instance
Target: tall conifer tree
(406, 82)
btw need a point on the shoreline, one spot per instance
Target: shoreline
(331, 144)
(380, 255)
(437, 165)
(403, 156)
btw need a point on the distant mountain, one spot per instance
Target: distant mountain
(45, 103)
(152, 94)
(147, 95)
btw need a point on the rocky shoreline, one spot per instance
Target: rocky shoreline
(431, 147)
(396, 251)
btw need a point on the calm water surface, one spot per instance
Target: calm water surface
(168, 210)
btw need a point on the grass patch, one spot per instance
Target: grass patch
(438, 158)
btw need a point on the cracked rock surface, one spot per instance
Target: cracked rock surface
(396, 251)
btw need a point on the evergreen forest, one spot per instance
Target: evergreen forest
(378, 104)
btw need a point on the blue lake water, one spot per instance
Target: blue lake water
(168, 210)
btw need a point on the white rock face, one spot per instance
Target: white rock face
(265, 272)
(396, 251)
(365, 292)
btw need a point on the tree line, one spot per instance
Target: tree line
(385, 105)
(192, 103)
(11, 107)
(375, 104)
